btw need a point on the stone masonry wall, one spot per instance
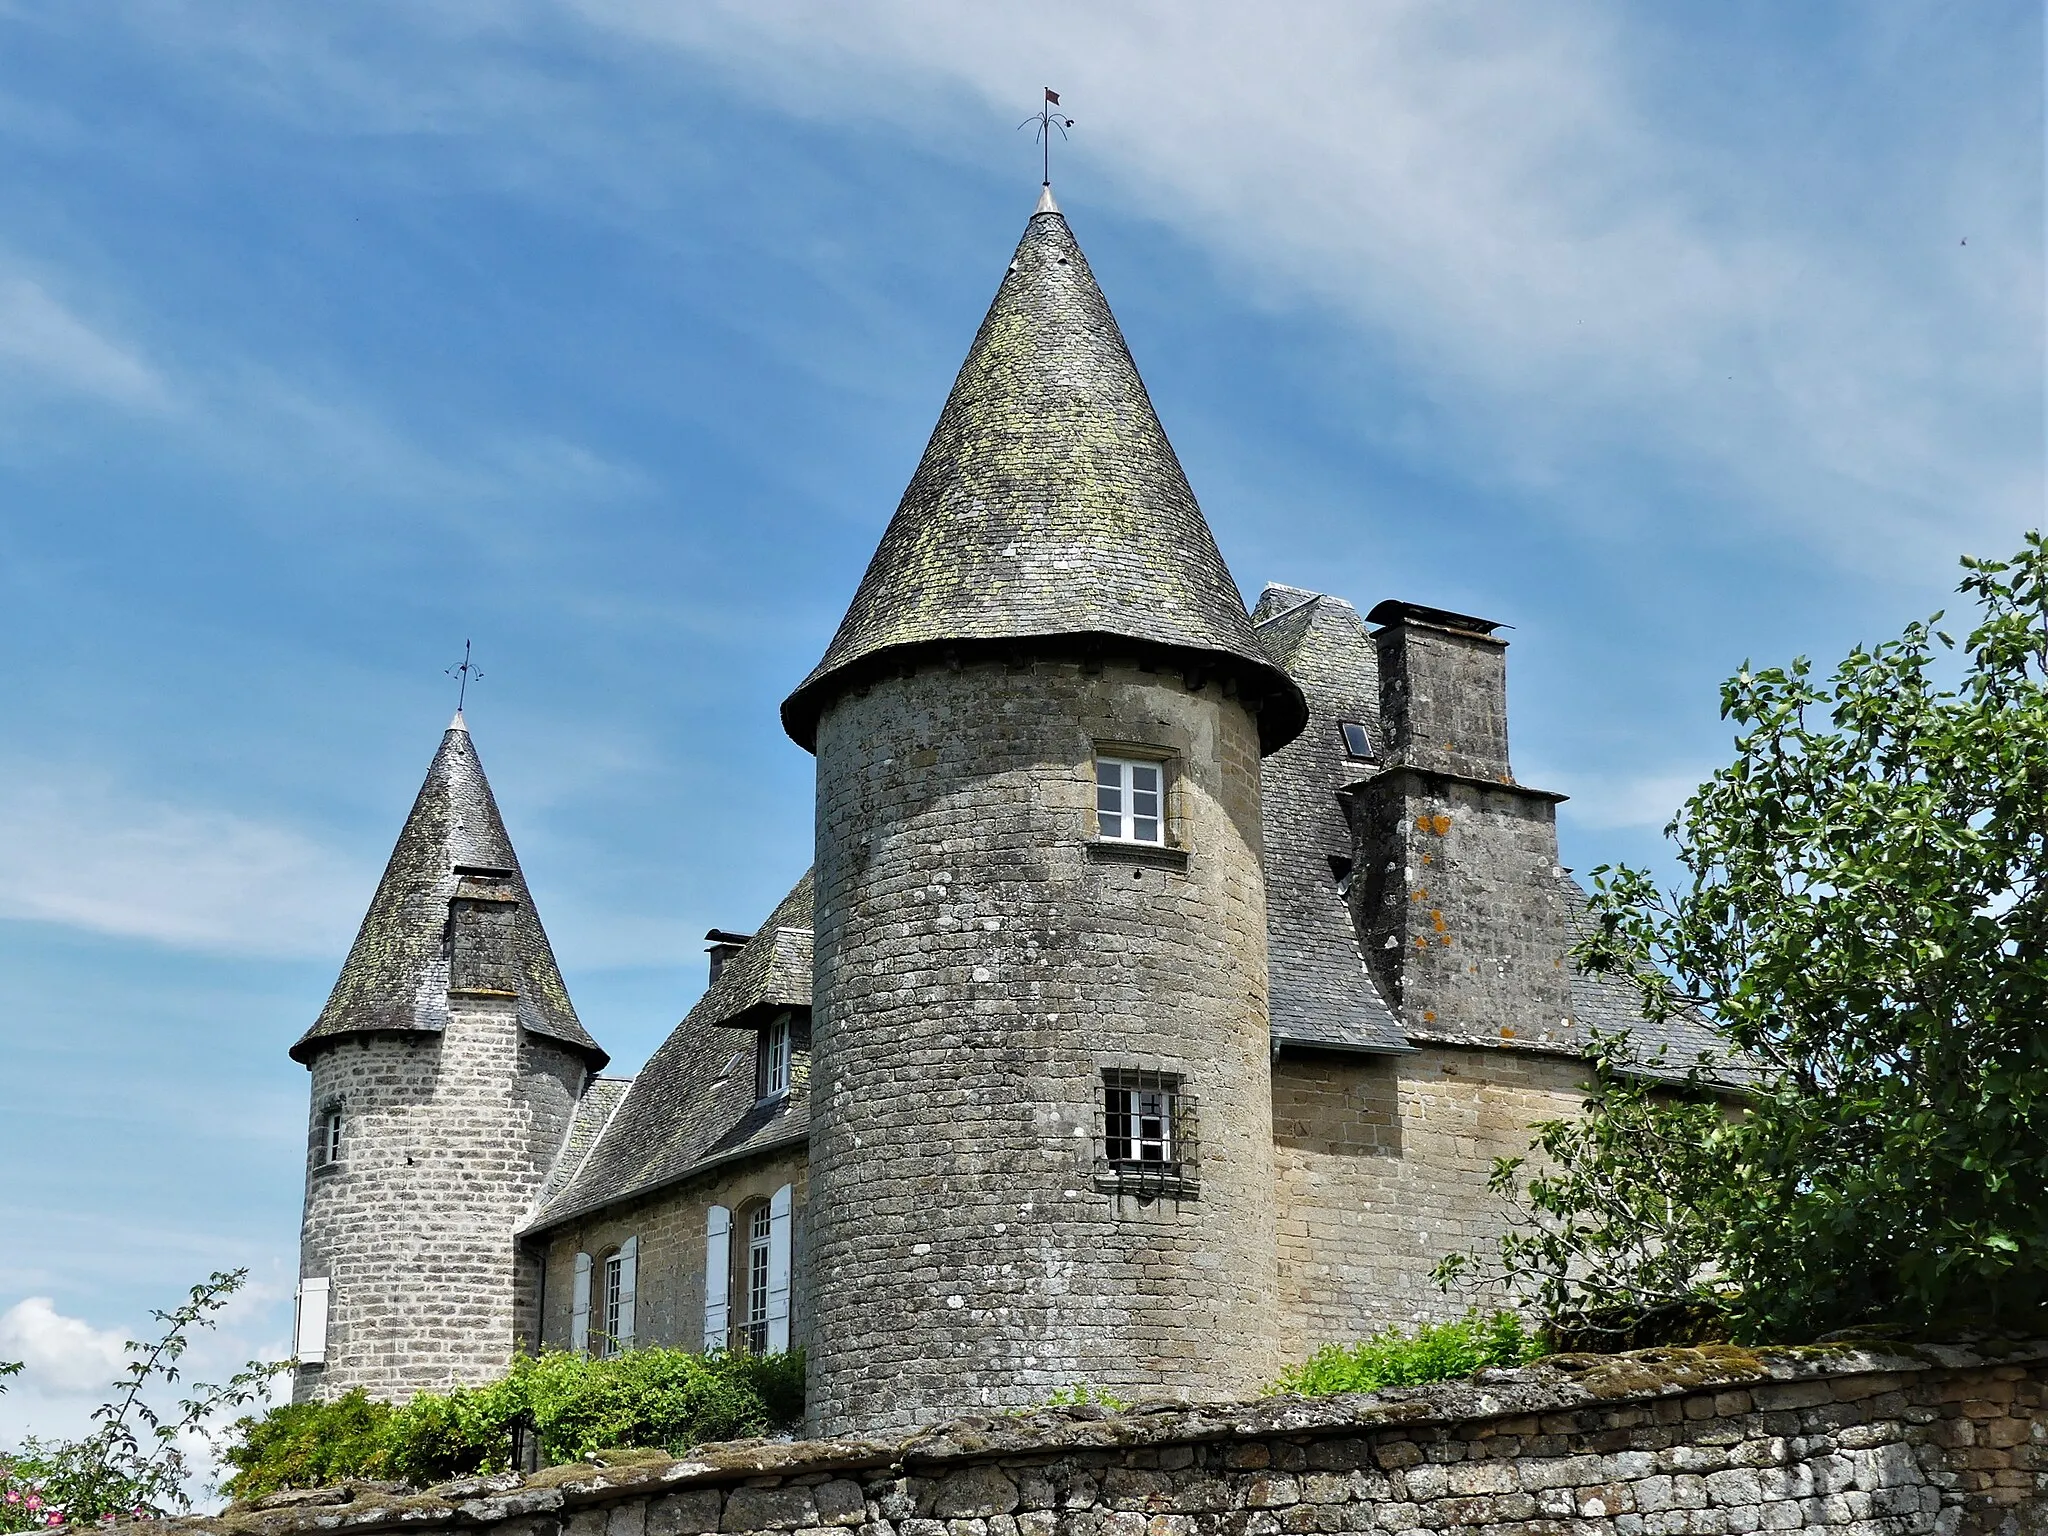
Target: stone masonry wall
(1382, 1164)
(982, 959)
(445, 1140)
(1459, 906)
(1716, 1442)
(669, 1296)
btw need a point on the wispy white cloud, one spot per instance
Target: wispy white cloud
(1646, 800)
(1497, 201)
(1574, 273)
(46, 347)
(79, 850)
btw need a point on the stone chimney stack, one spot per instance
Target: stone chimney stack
(1458, 895)
(1443, 690)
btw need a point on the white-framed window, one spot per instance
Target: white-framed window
(612, 1294)
(329, 1149)
(1130, 800)
(760, 1251)
(1357, 740)
(771, 1063)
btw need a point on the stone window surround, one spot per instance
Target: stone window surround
(327, 1134)
(1171, 850)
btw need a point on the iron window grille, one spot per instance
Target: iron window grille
(1130, 800)
(1145, 1142)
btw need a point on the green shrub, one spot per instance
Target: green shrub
(665, 1399)
(1434, 1352)
(308, 1445)
(1080, 1393)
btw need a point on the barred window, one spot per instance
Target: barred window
(1146, 1144)
(1140, 1124)
(1130, 800)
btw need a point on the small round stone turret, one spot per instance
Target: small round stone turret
(1041, 1145)
(445, 1068)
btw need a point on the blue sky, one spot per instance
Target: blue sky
(606, 334)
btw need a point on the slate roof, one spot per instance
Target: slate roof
(1610, 1003)
(601, 1097)
(396, 974)
(1048, 503)
(693, 1104)
(1322, 993)
(772, 971)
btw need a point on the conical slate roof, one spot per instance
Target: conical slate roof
(396, 975)
(1049, 504)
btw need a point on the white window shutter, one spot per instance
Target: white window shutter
(629, 1281)
(778, 1271)
(579, 1307)
(717, 1276)
(310, 1335)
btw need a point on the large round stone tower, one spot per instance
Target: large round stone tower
(445, 1068)
(1041, 1146)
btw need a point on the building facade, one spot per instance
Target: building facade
(1167, 980)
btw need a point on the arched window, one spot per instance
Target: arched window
(753, 1286)
(603, 1323)
(612, 1292)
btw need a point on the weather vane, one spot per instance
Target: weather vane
(1047, 120)
(466, 674)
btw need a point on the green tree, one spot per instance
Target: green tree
(1863, 918)
(134, 1463)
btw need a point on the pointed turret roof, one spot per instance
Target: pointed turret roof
(396, 975)
(1049, 505)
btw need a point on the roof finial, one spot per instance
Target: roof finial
(465, 674)
(1047, 120)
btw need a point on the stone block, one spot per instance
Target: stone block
(771, 1509)
(685, 1514)
(978, 1492)
(839, 1502)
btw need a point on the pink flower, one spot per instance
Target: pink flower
(56, 1517)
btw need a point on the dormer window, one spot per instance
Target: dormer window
(1357, 741)
(771, 1061)
(1130, 800)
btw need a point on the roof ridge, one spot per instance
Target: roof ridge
(1275, 617)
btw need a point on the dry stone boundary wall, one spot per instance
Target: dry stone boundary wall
(1721, 1442)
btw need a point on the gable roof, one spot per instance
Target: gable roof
(1322, 993)
(396, 974)
(1048, 504)
(693, 1105)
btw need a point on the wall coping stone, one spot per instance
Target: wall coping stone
(1561, 1383)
